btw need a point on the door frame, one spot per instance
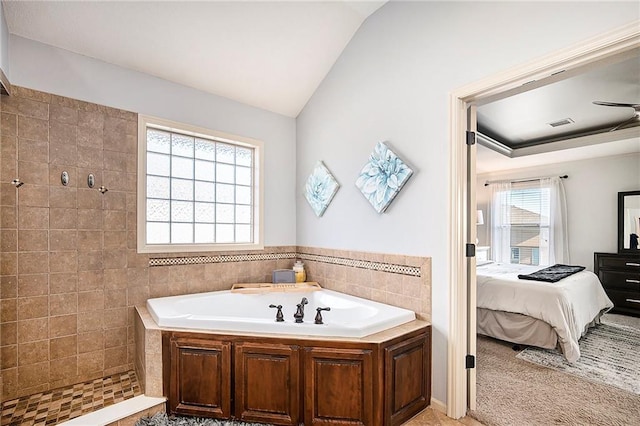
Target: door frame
(557, 66)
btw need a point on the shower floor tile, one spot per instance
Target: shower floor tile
(59, 405)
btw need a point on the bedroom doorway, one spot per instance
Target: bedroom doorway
(555, 67)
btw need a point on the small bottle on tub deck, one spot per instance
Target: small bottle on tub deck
(298, 268)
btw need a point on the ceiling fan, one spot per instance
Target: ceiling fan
(635, 118)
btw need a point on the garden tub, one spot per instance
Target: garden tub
(227, 311)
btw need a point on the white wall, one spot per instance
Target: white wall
(4, 44)
(592, 200)
(392, 83)
(49, 69)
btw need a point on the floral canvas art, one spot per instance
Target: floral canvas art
(320, 188)
(382, 178)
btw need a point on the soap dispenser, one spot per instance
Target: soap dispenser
(298, 268)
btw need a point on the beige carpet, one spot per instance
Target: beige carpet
(515, 392)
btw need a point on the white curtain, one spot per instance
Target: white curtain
(558, 229)
(501, 222)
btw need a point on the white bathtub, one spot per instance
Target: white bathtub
(224, 311)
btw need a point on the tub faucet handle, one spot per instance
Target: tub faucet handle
(319, 314)
(279, 316)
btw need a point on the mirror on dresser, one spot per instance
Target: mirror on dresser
(628, 221)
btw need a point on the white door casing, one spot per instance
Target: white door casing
(559, 65)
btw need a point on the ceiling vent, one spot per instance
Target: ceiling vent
(562, 122)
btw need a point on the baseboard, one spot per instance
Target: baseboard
(438, 405)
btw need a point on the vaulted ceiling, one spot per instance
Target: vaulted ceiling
(272, 55)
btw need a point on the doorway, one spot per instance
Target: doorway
(555, 67)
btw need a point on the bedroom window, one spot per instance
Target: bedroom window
(198, 190)
(528, 223)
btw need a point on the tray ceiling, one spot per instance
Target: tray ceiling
(559, 122)
(565, 109)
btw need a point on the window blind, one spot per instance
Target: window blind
(528, 205)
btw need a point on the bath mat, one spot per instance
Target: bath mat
(161, 419)
(608, 354)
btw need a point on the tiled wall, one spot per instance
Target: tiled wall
(69, 271)
(1, 250)
(403, 281)
(182, 276)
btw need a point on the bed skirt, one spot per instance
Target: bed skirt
(522, 329)
(516, 328)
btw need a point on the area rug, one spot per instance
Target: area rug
(608, 354)
(161, 419)
(513, 392)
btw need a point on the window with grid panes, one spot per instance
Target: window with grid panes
(529, 212)
(199, 189)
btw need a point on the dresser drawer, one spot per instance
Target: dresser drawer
(625, 301)
(619, 262)
(620, 280)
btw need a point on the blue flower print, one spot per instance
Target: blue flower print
(382, 177)
(320, 188)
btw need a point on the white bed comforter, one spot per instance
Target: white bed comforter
(568, 305)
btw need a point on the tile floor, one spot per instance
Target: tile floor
(432, 417)
(59, 405)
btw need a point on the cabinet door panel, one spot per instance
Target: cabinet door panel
(407, 384)
(267, 378)
(338, 386)
(200, 378)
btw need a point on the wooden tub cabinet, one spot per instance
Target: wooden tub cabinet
(382, 379)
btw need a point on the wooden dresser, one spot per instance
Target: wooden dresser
(619, 274)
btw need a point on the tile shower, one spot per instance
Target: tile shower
(64, 270)
(69, 271)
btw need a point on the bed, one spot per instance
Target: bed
(536, 313)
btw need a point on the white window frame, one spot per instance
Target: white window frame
(145, 122)
(504, 221)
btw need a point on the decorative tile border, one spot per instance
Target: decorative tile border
(223, 258)
(392, 268)
(364, 264)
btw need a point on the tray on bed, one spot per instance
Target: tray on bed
(274, 288)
